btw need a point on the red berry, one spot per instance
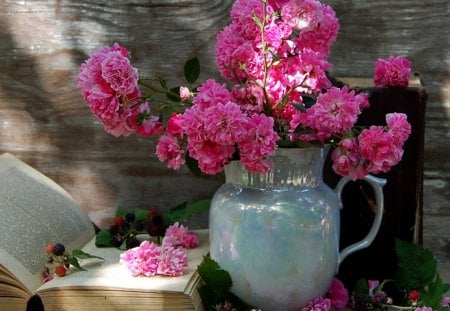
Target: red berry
(414, 295)
(151, 213)
(118, 221)
(49, 248)
(60, 271)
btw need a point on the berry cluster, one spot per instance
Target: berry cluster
(126, 227)
(58, 261)
(365, 301)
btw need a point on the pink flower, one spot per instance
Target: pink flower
(168, 149)
(259, 144)
(399, 126)
(347, 160)
(424, 308)
(338, 294)
(335, 112)
(302, 14)
(445, 302)
(144, 123)
(225, 124)
(109, 86)
(380, 148)
(177, 235)
(142, 260)
(394, 71)
(172, 261)
(174, 126)
(318, 304)
(185, 93)
(211, 93)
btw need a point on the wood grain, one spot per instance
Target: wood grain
(44, 120)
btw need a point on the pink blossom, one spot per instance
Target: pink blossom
(394, 71)
(172, 261)
(174, 126)
(242, 14)
(211, 93)
(338, 294)
(225, 124)
(149, 259)
(142, 260)
(424, 308)
(228, 40)
(373, 284)
(144, 123)
(335, 112)
(259, 144)
(318, 304)
(185, 94)
(347, 160)
(168, 149)
(380, 148)
(445, 302)
(399, 126)
(321, 38)
(302, 14)
(109, 85)
(178, 235)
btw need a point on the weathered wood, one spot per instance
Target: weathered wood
(44, 120)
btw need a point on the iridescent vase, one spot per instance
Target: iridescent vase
(277, 233)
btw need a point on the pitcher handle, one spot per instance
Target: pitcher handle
(377, 185)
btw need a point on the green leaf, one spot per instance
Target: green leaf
(140, 214)
(416, 266)
(309, 100)
(120, 212)
(185, 210)
(433, 296)
(192, 70)
(174, 94)
(192, 164)
(74, 262)
(208, 295)
(211, 273)
(78, 253)
(103, 238)
(361, 287)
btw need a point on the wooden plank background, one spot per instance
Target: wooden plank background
(45, 122)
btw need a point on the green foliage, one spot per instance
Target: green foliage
(216, 290)
(145, 222)
(416, 266)
(192, 70)
(186, 210)
(103, 238)
(78, 254)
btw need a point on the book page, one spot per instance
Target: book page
(35, 211)
(110, 274)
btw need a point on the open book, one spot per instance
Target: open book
(35, 211)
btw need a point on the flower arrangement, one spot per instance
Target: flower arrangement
(274, 58)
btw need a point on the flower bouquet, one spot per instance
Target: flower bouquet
(274, 58)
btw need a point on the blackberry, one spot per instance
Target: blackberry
(378, 299)
(361, 301)
(58, 249)
(157, 220)
(139, 225)
(123, 229)
(132, 242)
(113, 229)
(116, 241)
(130, 217)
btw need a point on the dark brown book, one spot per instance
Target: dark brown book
(403, 192)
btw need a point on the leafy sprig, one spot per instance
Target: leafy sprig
(129, 224)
